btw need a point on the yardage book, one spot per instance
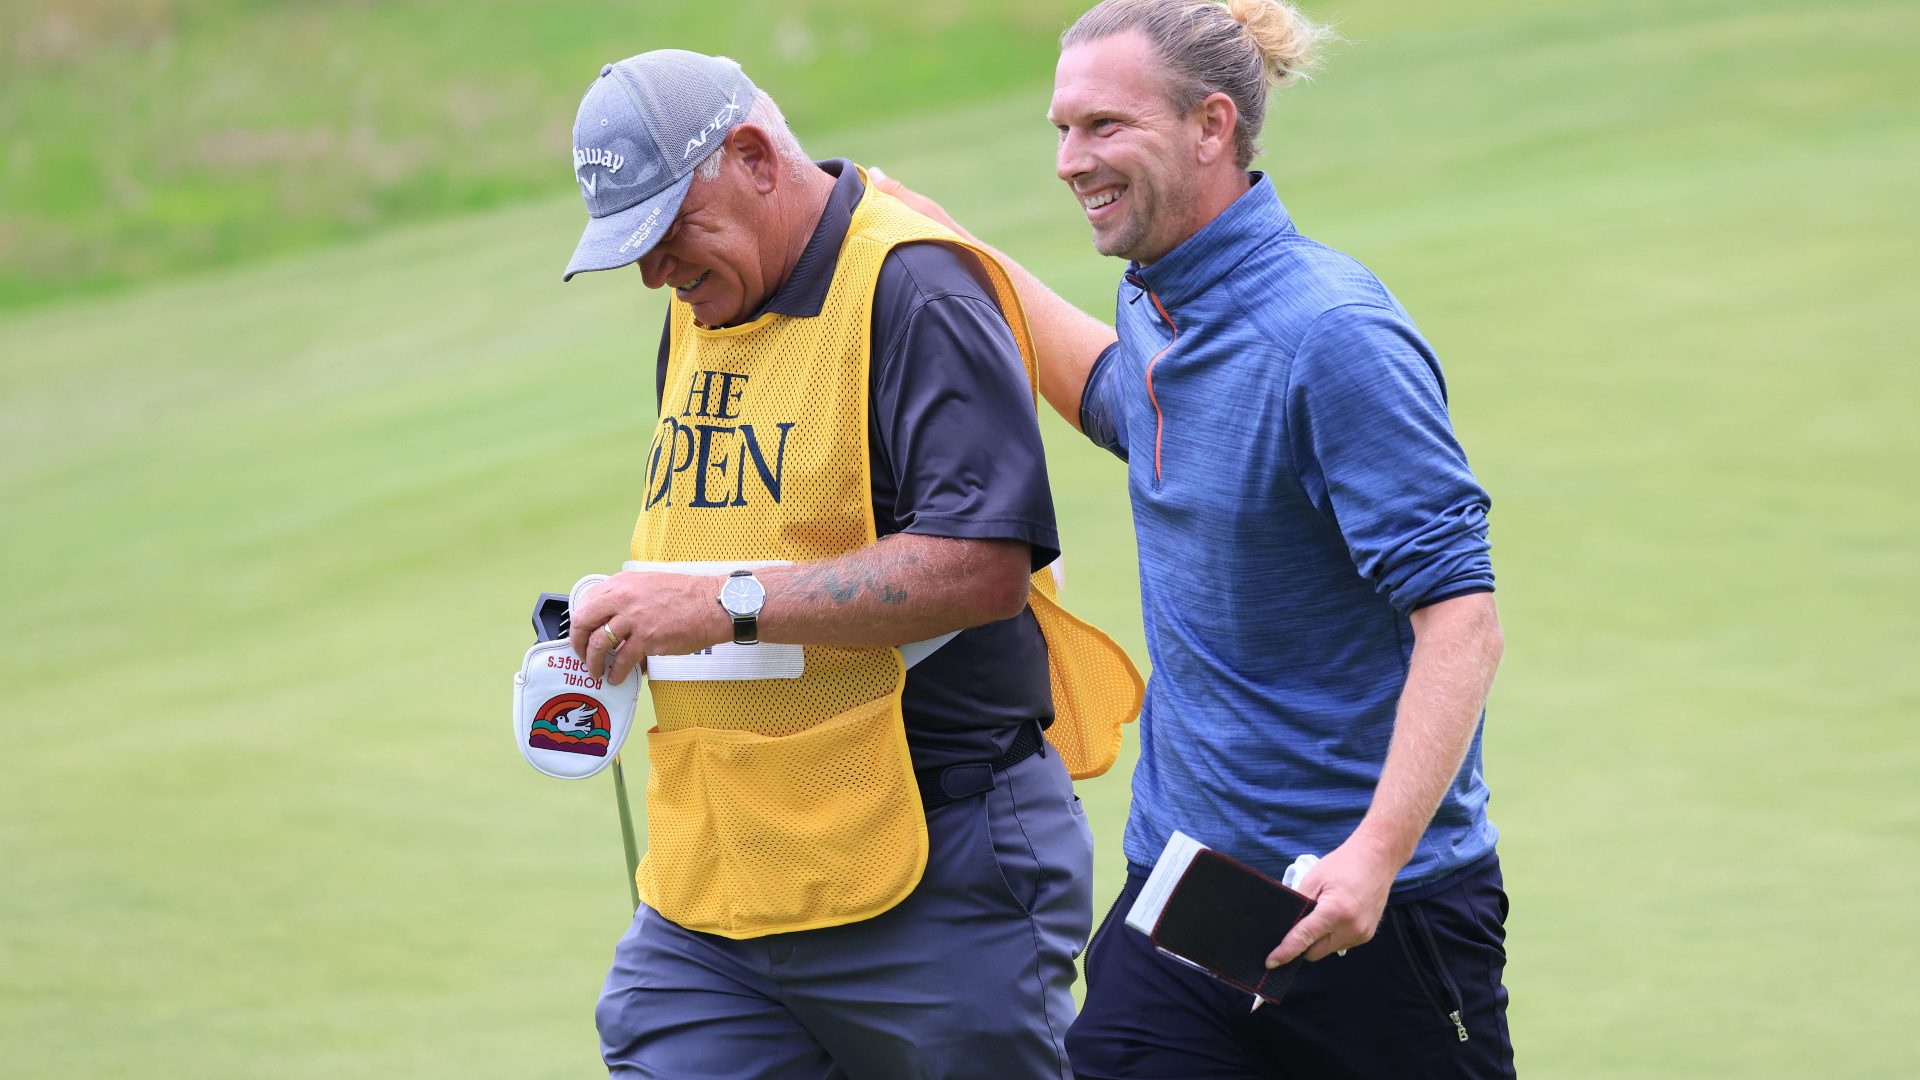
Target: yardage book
(1212, 913)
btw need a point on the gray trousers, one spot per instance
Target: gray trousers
(969, 977)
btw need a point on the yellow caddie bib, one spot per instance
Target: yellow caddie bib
(776, 805)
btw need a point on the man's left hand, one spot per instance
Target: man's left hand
(917, 202)
(1349, 889)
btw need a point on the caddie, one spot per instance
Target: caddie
(855, 867)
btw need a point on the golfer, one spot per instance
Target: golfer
(1314, 575)
(855, 869)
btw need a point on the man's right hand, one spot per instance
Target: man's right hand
(1349, 889)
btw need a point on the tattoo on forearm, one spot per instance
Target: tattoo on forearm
(839, 588)
(843, 585)
(882, 575)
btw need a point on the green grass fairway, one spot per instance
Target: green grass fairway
(146, 137)
(270, 539)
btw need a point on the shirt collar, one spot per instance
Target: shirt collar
(1201, 260)
(804, 292)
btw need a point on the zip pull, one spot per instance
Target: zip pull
(1457, 1025)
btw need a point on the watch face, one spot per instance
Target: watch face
(742, 596)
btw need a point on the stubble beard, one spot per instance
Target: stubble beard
(1131, 237)
(1121, 245)
(1125, 236)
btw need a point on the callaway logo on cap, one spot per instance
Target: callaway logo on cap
(642, 127)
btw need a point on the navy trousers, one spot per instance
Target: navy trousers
(969, 978)
(1424, 998)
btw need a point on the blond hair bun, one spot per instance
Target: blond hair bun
(1240, 48)
(1289, 42)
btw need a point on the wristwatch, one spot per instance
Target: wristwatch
(742, 597)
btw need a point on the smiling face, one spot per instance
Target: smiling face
(1130, 158)
(717, 255)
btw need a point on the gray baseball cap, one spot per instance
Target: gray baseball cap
(643, 126)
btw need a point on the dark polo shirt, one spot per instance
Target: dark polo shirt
(955, 449)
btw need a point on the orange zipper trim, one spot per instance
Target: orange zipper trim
(1159, 419)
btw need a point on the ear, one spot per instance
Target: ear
(1218, 118)
(754, 150)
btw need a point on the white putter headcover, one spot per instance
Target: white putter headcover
(566, 721)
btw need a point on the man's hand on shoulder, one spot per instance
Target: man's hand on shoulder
(917, 202)
(1349, 889)
(1068, 341)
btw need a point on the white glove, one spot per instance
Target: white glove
(1296, 876)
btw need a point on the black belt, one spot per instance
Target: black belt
(938, 787)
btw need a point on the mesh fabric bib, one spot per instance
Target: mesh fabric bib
(789, 804)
